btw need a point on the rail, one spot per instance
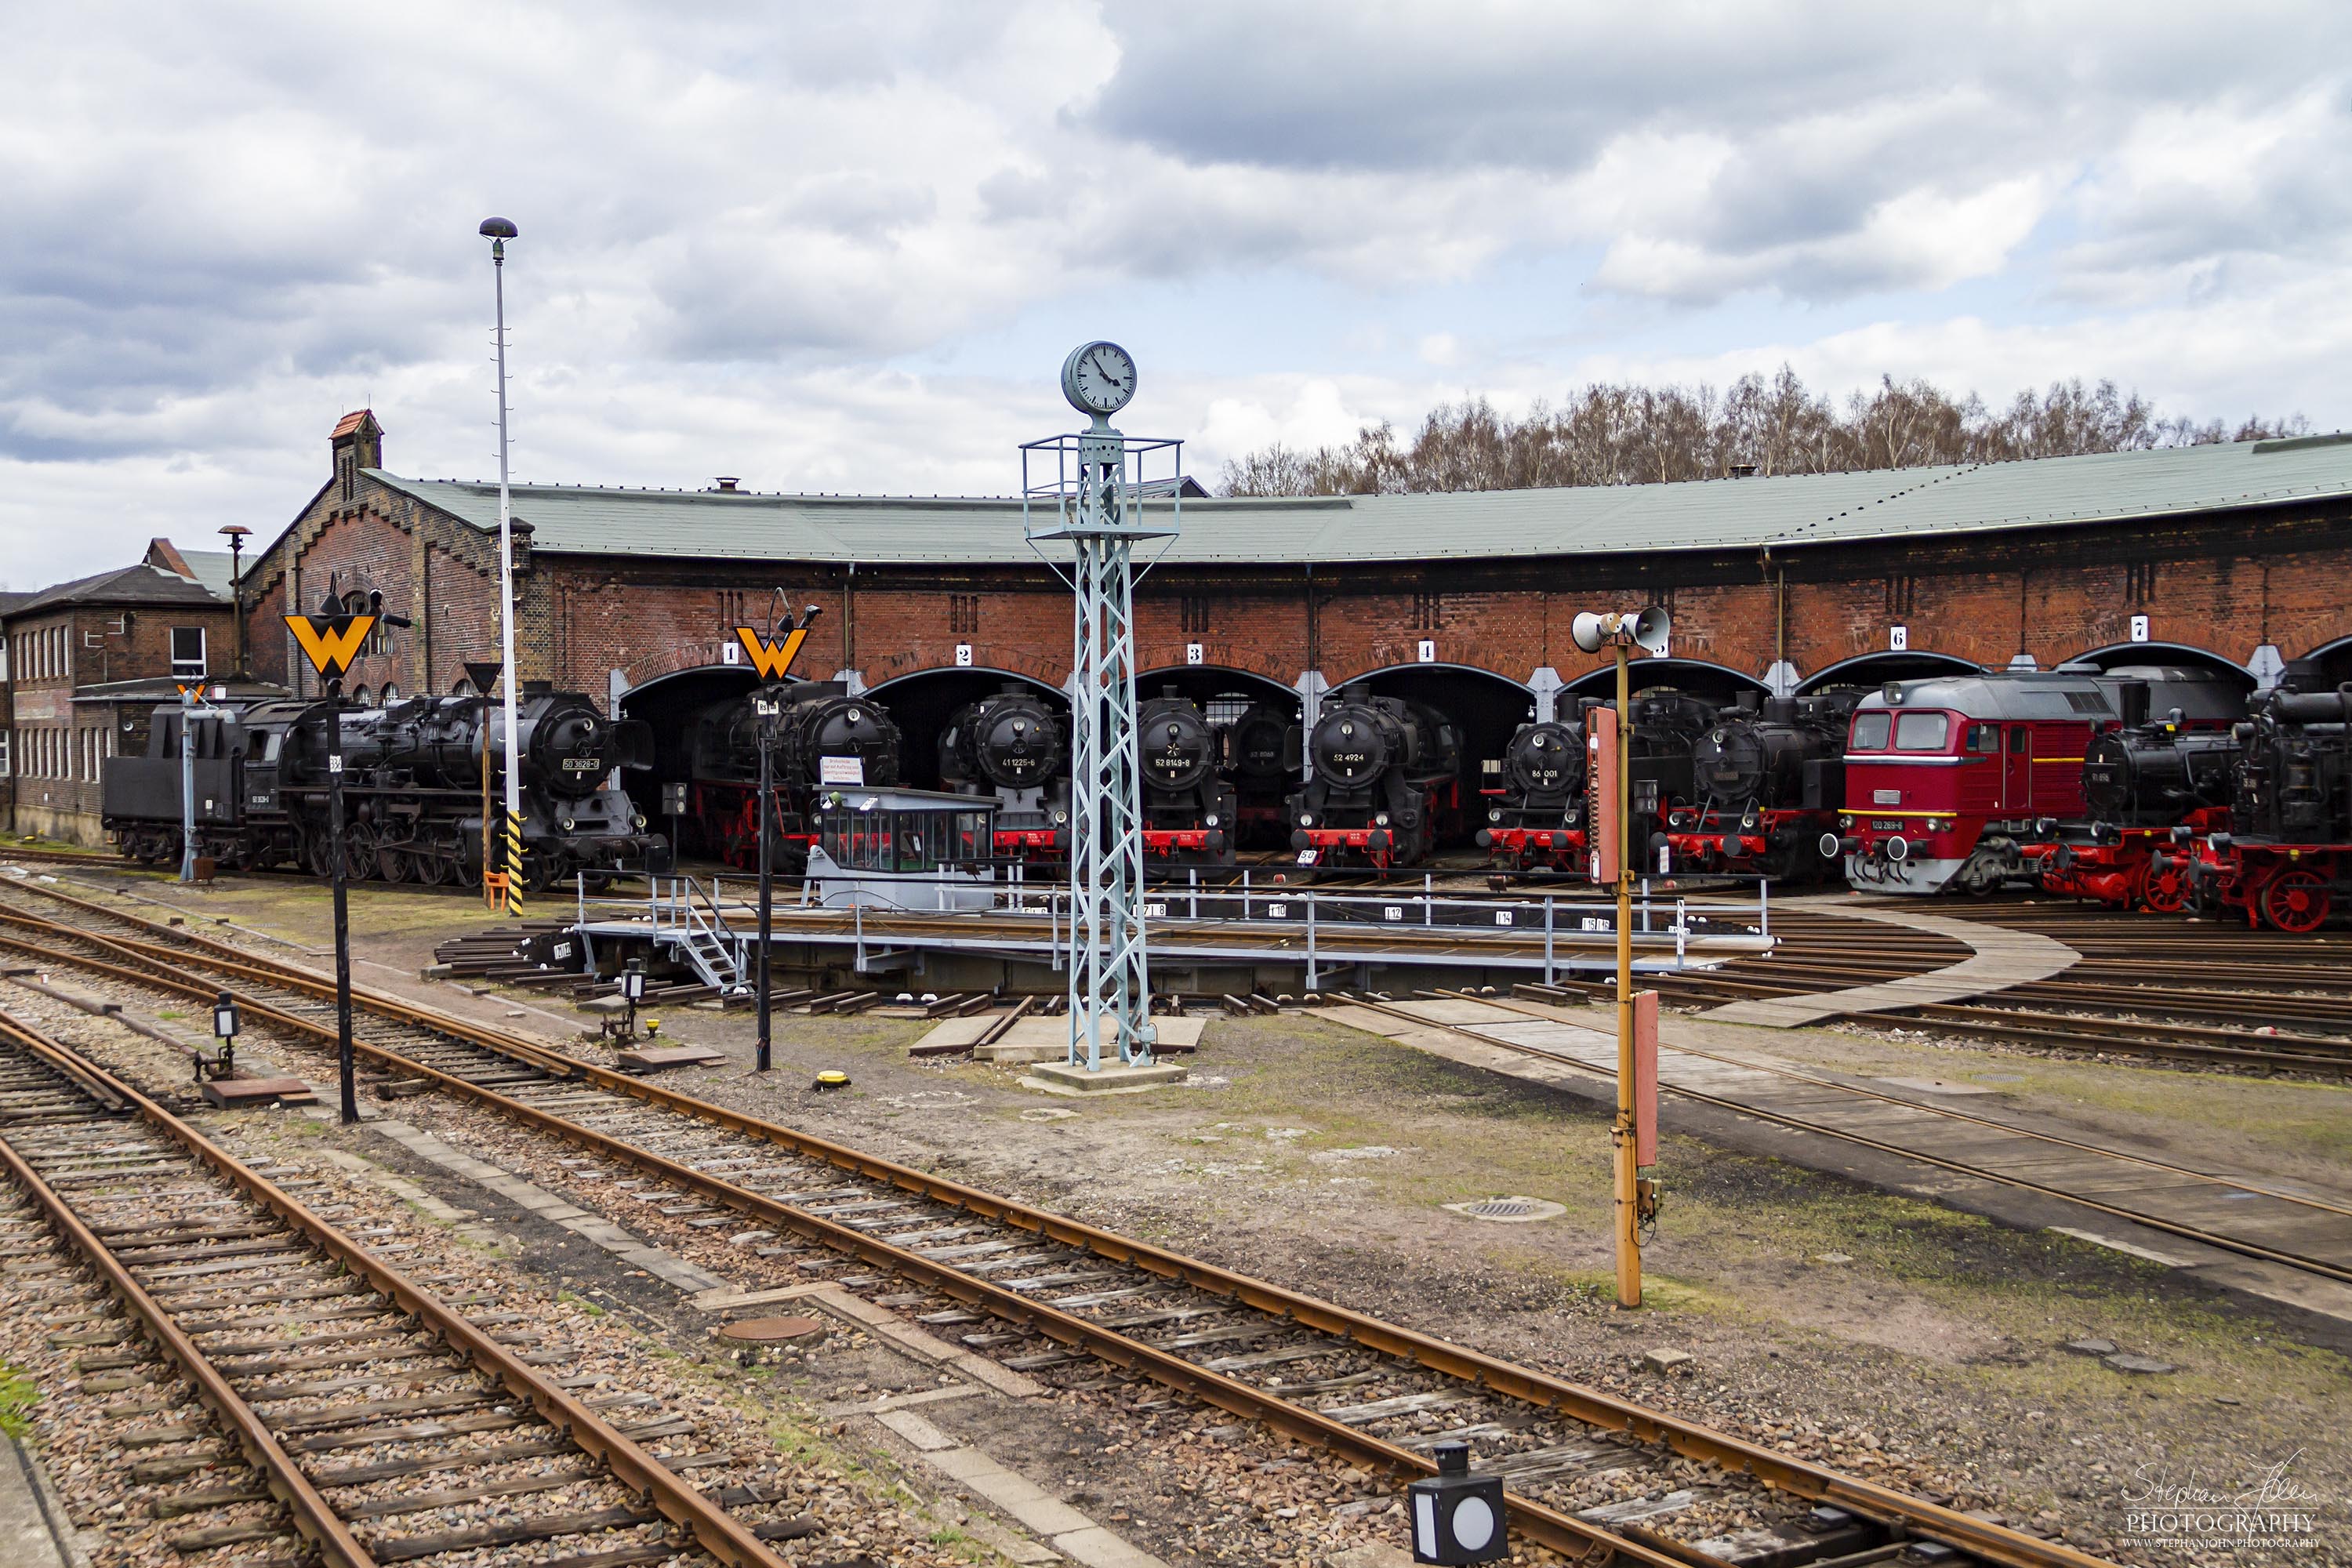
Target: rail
(1469, 1367)
(723, 1537)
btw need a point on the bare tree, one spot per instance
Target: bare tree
(1606, 435)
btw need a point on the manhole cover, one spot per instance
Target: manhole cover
(770, 1331)
(1512, 1210)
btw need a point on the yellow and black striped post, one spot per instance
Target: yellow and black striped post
(513, 840)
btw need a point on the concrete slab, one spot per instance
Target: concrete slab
(955, 1034)
(1061, 1078)
(34, 1530)
(1998, 959)
(1942, 1086)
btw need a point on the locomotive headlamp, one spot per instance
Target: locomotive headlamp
(1494, 814)
(637, 820)
(1845, 822)
(1379, 819)
(1305, 819)
(1209, 820)
(568, 824)
(1891, 693)
(1458, 1517)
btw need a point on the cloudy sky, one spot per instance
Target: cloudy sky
(841, 247)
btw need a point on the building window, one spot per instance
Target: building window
(1194, 609)
(380, 636)
(188, 651)
(1428, 612)
(963, 613)
(1902, 596)
(5, 737)
(2139, 583)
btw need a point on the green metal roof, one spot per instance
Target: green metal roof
(1616, 519)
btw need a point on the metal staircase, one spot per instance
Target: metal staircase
(687, 920)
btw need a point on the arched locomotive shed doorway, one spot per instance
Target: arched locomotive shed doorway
(922, 701)
(1874, 670)
(1715, 683)
(669, 705)
(2184, 656)
(1485, 710)
(1257, 715)
(2335, 662)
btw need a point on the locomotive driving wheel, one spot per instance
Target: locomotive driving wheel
(2164, 885)
(2296, 901)
(358, 851)
(396, 864)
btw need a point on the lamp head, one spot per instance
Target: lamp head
(497, 228)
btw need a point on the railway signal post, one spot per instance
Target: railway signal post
(331, 640)
(1615, 856)
(772, 656)
(191, 709)
(1087, 489)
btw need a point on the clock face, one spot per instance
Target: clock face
(1098, 378)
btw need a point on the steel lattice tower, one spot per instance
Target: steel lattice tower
(1096, 492)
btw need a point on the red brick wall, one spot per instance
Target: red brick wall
(2227, 583)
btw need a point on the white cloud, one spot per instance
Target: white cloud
(752, 233)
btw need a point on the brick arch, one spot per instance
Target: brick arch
(1873, 668)
(1334, 680)
(1046, 670)
(2113, 654)
(1265, 664)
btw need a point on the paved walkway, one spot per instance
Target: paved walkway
(1998, 958)
(1576, 1051)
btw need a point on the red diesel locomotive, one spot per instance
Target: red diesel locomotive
(1961, 781)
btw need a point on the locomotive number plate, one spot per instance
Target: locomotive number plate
(1884, 825)
(581, 766)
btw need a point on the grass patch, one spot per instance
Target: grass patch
(18, 1395)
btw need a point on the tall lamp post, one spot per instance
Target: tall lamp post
(236, 533)
(498, 231)
(1621, 635)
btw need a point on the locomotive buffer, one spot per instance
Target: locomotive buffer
(1087, 490)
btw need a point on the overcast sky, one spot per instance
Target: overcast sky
(844, 248)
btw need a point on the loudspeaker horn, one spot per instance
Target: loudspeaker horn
(1650, 629)
(1591, 631)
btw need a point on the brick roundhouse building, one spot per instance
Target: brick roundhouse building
(2233, 556)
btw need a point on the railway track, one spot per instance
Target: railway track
(1589, 1472)
(356, 1398)
(2112, 1173)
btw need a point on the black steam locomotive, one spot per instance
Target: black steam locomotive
(1261, 758)
(413, 787)
(1767, 779)
(1383, 773)
(1535, 800)
(1188, 807)
(1013, 746)
(823, 736)
(2164, 776)
(2286, 857)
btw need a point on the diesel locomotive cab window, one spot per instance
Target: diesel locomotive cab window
(1922, 732)
(1870, 732)
(2021, 740)
(1985, 737)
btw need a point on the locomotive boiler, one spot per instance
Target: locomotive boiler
(1188, 806)
(1768, 778)
(823, 736)
(1383, 772)
(1535, 800)
(1013, 746)
(413, 787)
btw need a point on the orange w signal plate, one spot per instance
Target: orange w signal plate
(330, 642)
(772, 661)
